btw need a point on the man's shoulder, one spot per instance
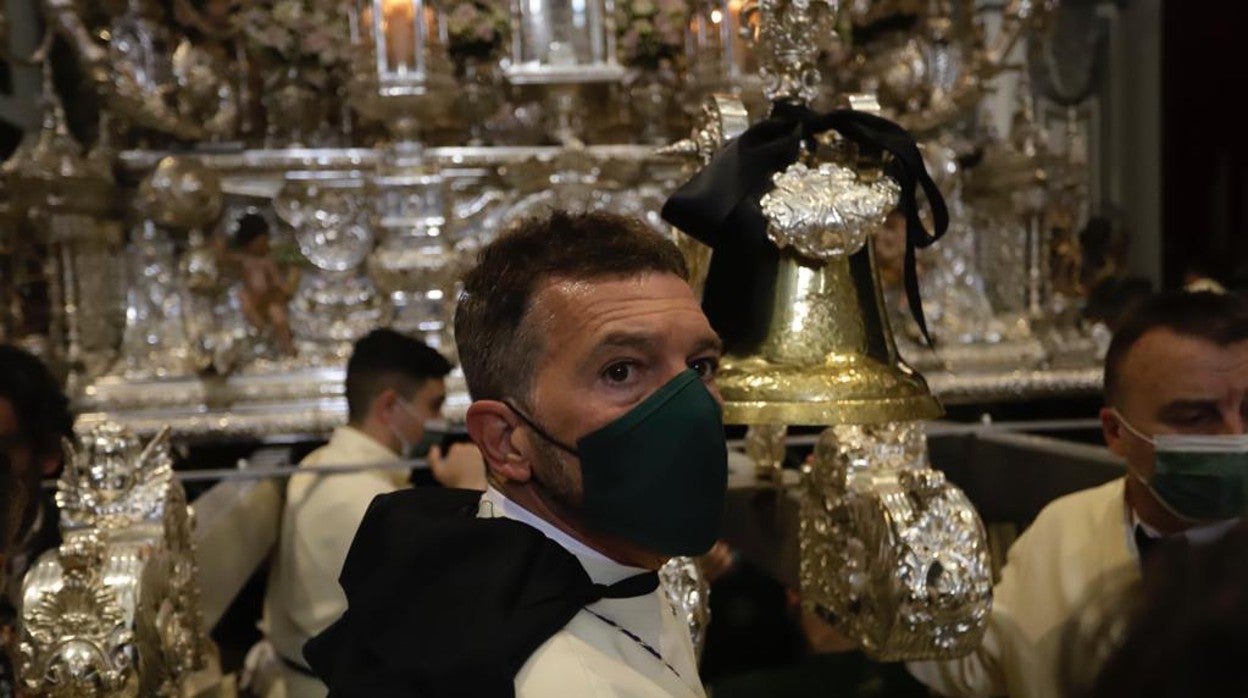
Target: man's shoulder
(1077, 525)
(581, 660)
(1077, 509)
(422, 502)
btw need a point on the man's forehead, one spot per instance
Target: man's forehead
(1163, 361)
(585, 308)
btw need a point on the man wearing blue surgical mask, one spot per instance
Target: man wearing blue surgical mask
(1176, 408)
(592, 369)
(394, 385)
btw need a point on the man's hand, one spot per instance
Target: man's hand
(461, 468)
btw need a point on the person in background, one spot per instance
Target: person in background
(35, 418)
(394, 385)
(1176, 408)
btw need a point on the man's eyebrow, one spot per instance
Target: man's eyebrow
(1179, 405)
(635, 340)
(709, 343)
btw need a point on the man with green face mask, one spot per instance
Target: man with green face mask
(592, 368)
(1176, 411)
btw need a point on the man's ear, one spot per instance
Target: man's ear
(383, 405)
(492, 425)
(1112, 429)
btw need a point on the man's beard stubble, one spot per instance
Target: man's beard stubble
(554, 477)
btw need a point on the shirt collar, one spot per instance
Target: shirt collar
(1197, 535)
(600, 568)
(365, 450)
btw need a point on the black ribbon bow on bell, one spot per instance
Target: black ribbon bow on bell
(720, 208)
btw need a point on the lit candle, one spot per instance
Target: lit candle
(398, 25)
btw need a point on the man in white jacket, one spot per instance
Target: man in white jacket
(394, 385)
(1176, 404)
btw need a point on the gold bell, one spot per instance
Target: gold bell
(828, 355)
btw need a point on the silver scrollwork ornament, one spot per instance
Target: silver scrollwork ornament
(114, 612)
(889, 548)
(789, 35)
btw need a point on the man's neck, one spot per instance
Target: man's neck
(529, 496)
(1151, 512)
(379, 433)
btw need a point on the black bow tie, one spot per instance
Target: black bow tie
(637, 585)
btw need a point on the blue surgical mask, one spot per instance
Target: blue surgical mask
(1198, 477)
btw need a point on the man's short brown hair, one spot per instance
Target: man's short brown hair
(497, 351)
(1220, 318)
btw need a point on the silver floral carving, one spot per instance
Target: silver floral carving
(827, 211)
(115, 610)
(893, 551)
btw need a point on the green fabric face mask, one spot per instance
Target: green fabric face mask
(1198, 477)
(1202, 478)
(657, 475)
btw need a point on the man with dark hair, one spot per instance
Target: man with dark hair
(1176, 407)
(592, 367)
(394, 385)
(34, 419)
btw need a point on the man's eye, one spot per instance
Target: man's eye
(706, 368)
(619, 372)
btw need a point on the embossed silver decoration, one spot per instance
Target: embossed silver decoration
(788, 40)
(75, 640)
(720, 119)
(688, 592)
(889, 548)
(115, 610)
(765, 447)
(827, 211)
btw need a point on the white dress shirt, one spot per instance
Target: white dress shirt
(590, 658)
